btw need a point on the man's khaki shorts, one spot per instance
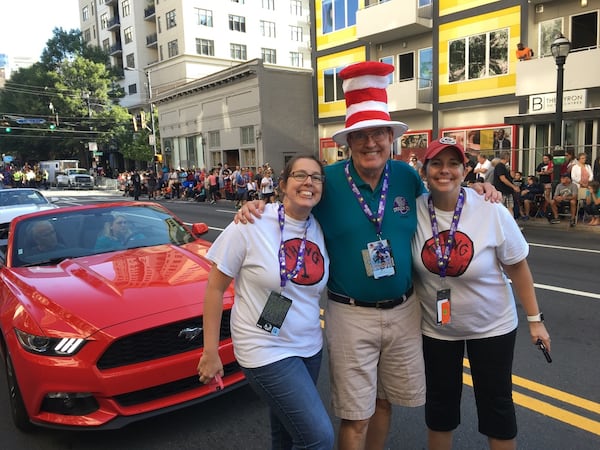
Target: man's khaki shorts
(374, 353)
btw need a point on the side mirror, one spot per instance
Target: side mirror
(199, 228)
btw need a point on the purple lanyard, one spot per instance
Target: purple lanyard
(377, 220)
(443, 260)
(283, 272)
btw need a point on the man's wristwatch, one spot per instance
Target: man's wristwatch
(537, 318)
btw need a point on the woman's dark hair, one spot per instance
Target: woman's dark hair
(290, 164)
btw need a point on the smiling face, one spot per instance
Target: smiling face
(445, 173)
(302, 187)
(371, 149)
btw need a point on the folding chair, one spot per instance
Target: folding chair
(539, 202)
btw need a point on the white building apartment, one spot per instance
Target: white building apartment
(178, 41)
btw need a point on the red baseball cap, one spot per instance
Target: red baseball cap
(442, 144)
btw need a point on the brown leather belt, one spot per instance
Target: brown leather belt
(382, 304)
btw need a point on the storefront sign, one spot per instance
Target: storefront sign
(546, 103)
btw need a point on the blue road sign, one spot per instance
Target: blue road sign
(30, 121)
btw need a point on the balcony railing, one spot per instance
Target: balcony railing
(113, 22)
(149, 12)
(151, 40)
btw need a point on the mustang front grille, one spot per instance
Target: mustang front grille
(155, 343)
(169, 389)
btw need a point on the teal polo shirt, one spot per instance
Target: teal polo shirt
(348, 230)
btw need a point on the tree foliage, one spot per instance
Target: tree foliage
(73, 89)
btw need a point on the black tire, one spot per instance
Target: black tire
(17, 406)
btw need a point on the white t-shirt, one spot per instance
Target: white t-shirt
(266, 185)
(249, 254)
(482, 301)
(488, 177)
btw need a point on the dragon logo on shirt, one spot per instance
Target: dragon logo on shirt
(460, 256)
(312, 270)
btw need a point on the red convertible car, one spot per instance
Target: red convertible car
(101, 316)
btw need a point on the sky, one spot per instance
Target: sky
(26, 25)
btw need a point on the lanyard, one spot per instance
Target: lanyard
(283, 272)
(444, 259)
(377, 220)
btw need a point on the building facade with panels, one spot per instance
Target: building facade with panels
(457, 73)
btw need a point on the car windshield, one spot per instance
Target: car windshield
(21, 197)
(64, 234)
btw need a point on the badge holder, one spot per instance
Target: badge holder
(274, 312)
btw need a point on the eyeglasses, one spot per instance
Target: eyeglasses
(120, 222)
(362, 137)
(301, 177)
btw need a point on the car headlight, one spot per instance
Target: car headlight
(43, 345)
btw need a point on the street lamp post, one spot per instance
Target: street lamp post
(560, 48)
(152, 129)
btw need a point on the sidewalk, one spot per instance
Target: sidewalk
(563, 225)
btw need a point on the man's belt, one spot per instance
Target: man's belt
(382, 304)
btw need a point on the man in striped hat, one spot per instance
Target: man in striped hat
(368, 216)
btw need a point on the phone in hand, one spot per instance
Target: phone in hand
(542, 347)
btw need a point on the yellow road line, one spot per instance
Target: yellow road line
(545, 408)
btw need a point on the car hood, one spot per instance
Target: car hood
(8, 213)
(87, 294)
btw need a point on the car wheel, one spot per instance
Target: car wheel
(17, 406)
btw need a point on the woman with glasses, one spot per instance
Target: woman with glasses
(280, 267)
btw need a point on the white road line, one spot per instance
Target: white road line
(558, 247)
(566, 291)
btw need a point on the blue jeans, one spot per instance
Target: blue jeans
(298, 418)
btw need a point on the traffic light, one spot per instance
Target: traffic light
(158, 158)
(52, 126)
(7, 129)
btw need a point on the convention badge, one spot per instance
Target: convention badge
(367, 262)
(381, 259)
(274, 312)
(443, 306)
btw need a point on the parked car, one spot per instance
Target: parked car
(100, 337)
(19, 201)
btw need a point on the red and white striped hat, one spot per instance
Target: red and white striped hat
(366, 99)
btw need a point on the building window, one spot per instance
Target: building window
(425, 68)
(478, 56)
(132, 89)
(296, 59)
(170, 19)
(268, 55)
(268, 4)
(333, 85)
(130, 60)
(106, 45)
(237, 23)
(238, 51)
(423, 3)
(247, 135)
(204, 17)
(205, 47)
(295, 33)
(85, 13)
(296, 7)
(388, 60)
(406, 66)
(248, 157)
(126, 8)
(548, 30)
(172, 49)
(338, 14)
(214, 139)
(584, 31)
(128, 35)
(87, 35)
(267, 29)
(103, 21)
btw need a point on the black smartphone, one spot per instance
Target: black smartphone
(542, 347)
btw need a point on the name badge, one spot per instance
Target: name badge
(272, 316)
(380, 261)
(443, 306)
